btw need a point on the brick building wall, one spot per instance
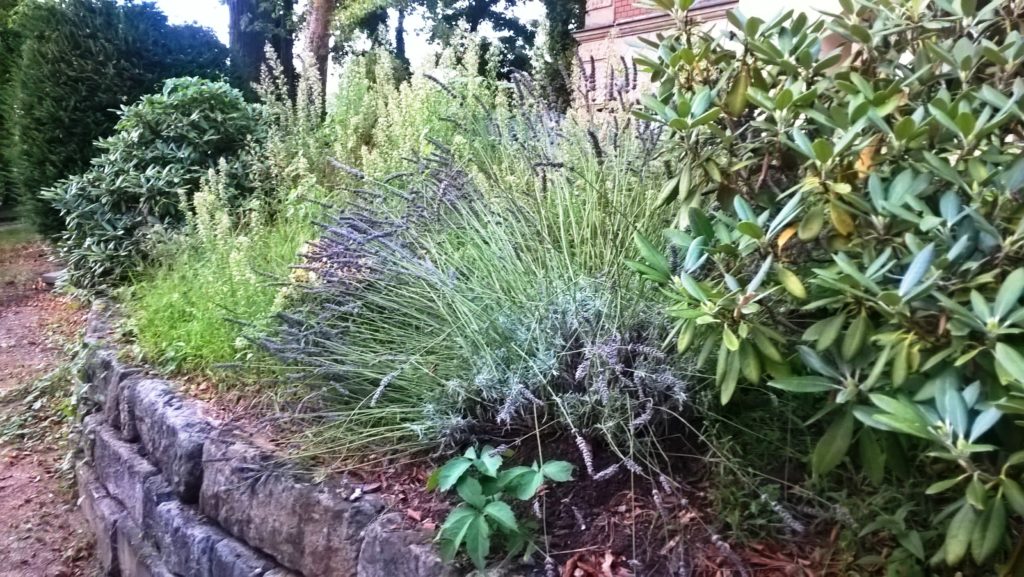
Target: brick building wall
(627, 10)
(609, 37)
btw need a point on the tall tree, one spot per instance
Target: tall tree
(563, 18)
(253, 24)
(370, 19)
(318, 39)
(515, 36)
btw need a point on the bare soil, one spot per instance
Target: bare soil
(41, 532)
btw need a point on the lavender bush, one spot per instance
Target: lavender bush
(486, 296)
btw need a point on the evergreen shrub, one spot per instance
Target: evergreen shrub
(80, 61)
(143, 181)
(851, 227)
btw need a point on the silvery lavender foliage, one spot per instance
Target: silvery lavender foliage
(555, 356)
(793, 525)
(366, 242)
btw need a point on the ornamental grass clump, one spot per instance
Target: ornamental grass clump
(852, 227)
(487, 297)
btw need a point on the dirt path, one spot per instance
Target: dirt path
(41, 532)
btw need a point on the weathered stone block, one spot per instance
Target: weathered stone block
(184, 541)
(117, 374)
(173, 432)
(91, 425)
(95, 366)
(155, 492)
(102, 512)
(391, 549)
(122, 470)
(309, 528)
(99, 322)
(136, 556)
(191, 545)
(233, 559)
(126, 408)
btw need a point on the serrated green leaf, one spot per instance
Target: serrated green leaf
(478, 541)
(451, 472)
(526, 485)
(489, 461)
(470, 491)
(557, 471)
(502, 515)
(454, 530)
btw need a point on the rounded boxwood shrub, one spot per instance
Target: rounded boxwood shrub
(77, 63)
(147, 172)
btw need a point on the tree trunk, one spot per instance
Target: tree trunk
(318, 43)
(564, 17)
(400, 50)
(253, 24)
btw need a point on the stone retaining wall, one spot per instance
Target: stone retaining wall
(170, 492)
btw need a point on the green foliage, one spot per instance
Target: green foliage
(485, 489)
(494, 286)
(205, 297)
(79, 62)
(208, 293)
(378, 126)
(447, 21)
(10, 48)
(866, 239)
(17, 234)
(142, 182)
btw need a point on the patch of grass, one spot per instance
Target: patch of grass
(194, 310)
(17, 234)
